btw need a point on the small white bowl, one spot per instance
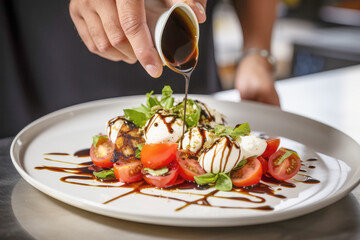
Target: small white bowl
(161, 23)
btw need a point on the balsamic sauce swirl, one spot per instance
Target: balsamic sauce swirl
(84, 172)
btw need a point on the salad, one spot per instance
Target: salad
(152, 143)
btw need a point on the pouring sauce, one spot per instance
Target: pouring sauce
(180, 49)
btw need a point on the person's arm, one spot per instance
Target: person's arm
(117, 29)
(254, 75)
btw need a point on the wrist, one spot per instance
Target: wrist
(261, 56)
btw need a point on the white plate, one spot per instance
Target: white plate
(72, 128)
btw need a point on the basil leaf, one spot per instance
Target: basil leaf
(151, 101)
(143, 109)
(294, 153)
(241, 130)
(240, 164)
(138, 118)
(138, 150)
(105, 174)
(283, 157)
(157, 172)
(193, 117)
(96, 139)
(206, 178)
(223, 182)
(221, 130)
(166, 100)
(168, 103)
(193, 112)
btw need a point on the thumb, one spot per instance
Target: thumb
(198, 6)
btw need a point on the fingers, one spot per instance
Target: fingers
(100, 35)
(118, 30)
(115, 34)
(100, 38)
(198, 6)
(133, 22)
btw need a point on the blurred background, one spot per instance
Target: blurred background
(309, 37)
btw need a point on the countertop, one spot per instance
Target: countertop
(330, 97)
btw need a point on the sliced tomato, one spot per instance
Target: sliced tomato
(248, 175)
(128, 170)
(158, 155)
(101, 153)
(264, 164)
(179, 181)
(285, 169)
(189, 166)
(272, 146)
(166, 180)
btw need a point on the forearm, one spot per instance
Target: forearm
(257, 18)
(253, 77)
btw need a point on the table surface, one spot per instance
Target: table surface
(330, 97)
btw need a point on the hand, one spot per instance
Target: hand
(117, 29)
(254, 80)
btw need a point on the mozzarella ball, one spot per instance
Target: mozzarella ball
(163, 129)
(222, 156)
(113, 127)
(197, 138)
(210, 117)
(251, 146)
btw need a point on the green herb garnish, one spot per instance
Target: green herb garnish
(138, 150)
(206, 178)
(240, 130)
(222, 180)
(240, 164)
(285, 156)
(157, 172)
(140, 115)
(193, 112)
(96, 139)
(138, 118)
(105, 174)
(166, 100)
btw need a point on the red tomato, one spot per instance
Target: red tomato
(166, 180)
(248, 175)
(272, 146)
(102, 152)
(128, 171)
(287, 168)
(158, 155)
(264, 164)
(189, 167)
(179, 181)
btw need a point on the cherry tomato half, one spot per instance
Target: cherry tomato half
(178, 181)
(128, 170)
(264, 164)
(248, 175)
(166, 180)
(272, 146)
(287, 168)
(101, 153)
(158, 155)
(189, 166)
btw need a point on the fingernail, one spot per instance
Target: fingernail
(201, 9)
(153, 71)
